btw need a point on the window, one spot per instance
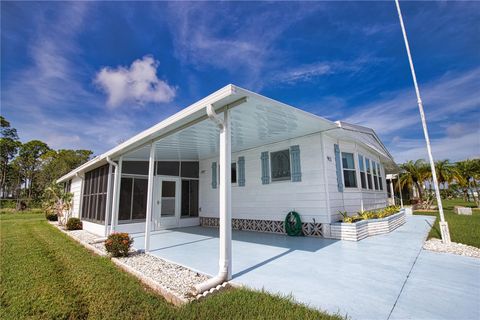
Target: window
(363, 177)
(349, 173)
(189, 169)
(280, 165)
(168, 168)
(369, 173)
(95, 194)
(135, 167)
(189, 198)
(375, 175)
(234, 172)
(67, 186)
(380, 177)
(133, 199)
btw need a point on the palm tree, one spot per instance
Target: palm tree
(414, 174)
(468, 177)
(444, 172)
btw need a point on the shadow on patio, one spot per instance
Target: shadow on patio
(198, 248)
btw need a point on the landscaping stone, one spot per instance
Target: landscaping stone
(455, 248)
(172, 276)
(462, 210)
(171, 279)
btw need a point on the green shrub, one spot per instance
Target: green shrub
(74, 224)
(118, 244)
(51, 216)
(367, 215)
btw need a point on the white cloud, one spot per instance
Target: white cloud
(244, 44)
(138, 83)
(448, 95)
(451, 148)
(457, 129)
(309, 72)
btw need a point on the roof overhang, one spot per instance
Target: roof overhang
(189, 134)
(368, 138)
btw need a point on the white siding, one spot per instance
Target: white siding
(351, 199)
(274, 200)
(76, 189)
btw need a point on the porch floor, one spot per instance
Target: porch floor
(362, 279)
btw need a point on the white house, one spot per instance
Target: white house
(235, 159)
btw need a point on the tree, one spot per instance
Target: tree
(58, 163)
(9, 145)
(57, 201)
(469, 175)
(29, 161)
(414, 174)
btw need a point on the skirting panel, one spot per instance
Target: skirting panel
(270, 226)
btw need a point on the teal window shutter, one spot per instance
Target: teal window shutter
(265, 168)
(241, 171)
(295, 160)
(338, 164)
(214, 175)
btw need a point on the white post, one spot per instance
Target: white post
(116, 193)
(148, 216)
(392, 192)
(443, 224)
(225, 258)
(400, 191)
(109, 196)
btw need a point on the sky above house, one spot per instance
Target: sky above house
(90, 75)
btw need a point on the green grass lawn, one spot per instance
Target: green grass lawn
(463, 229)
(46, 275)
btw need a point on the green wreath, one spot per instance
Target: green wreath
(293, 224)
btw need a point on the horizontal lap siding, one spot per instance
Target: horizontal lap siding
(76, 189)
(351, 199)
(274, 200)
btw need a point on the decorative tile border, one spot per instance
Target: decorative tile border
(366, 228)
(270, 226)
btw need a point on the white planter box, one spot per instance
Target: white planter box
(463, 210)
(360, 230)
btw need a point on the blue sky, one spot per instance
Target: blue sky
(91, 74)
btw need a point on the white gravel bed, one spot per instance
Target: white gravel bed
(171, 276)
(89, 238)
(455, 248)
(84, 236)
(175, 278)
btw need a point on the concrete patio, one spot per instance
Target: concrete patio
(382, 277)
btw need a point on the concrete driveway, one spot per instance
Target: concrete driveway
(382, 277)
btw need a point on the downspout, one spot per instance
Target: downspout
(223, 272)
(114, 193)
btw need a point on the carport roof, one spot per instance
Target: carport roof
(190, 135)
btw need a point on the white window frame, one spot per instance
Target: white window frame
(354, 169)
(271, 167)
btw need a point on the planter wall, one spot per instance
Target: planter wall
(362, 229)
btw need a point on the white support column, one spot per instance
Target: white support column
(392, 191)
(400, 190)
(109, 196)
(225, 260)
(116, 193)
(148, 218)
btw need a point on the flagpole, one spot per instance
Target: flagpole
(443, 224)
